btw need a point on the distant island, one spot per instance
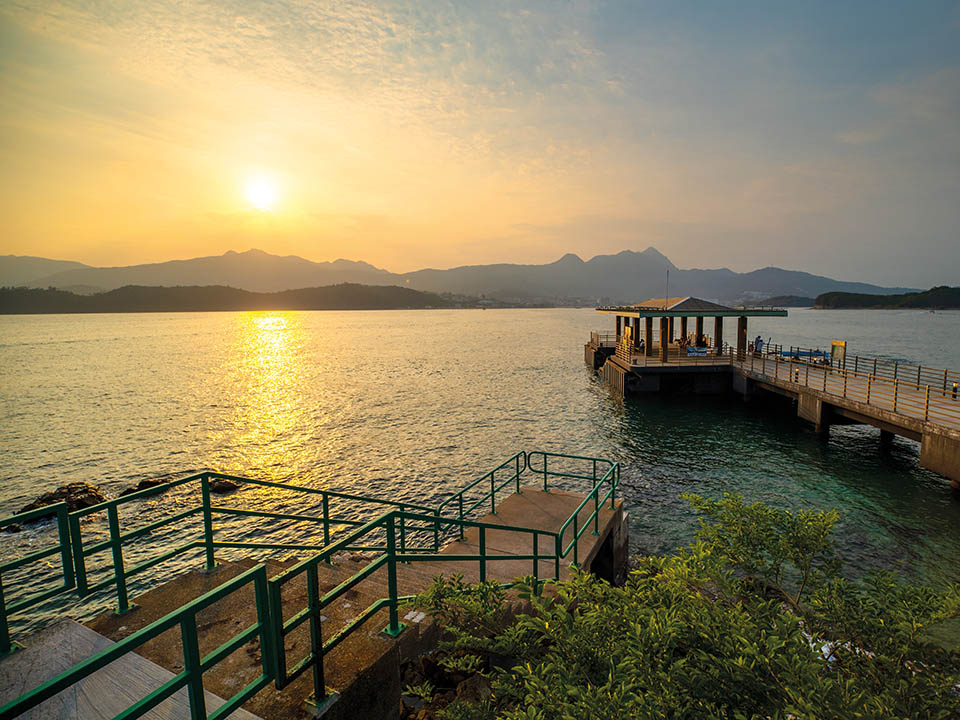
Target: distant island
(785, 301)
(937, 298)
(132, 298)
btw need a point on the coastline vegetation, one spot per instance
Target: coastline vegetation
(941, 297)
(751, 620)
(134, 298)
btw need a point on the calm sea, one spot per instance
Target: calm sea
(413, 404)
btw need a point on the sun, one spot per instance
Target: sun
(261, 192)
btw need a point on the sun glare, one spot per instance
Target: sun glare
(261, 193)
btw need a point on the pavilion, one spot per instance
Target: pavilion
(630, 330)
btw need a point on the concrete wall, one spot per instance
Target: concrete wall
(940, 452)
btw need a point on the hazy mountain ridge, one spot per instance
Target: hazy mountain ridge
(23, 269)
(627, 276)
(133, 298)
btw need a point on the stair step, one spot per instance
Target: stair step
(103, 694)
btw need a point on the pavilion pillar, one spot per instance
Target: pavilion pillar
(683, 326)
(699, 328)
(741, 337)
(664, 329)
(718, 333)
(618, 329)
(670, 329)
(636, 332)
(648, 334)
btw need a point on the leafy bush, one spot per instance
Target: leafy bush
(749, 621)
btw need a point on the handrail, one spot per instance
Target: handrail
(194, 665)
(389, 522)
(62, 547)
(519, 463)
(389, 530)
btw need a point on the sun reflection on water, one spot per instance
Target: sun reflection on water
(268, 378)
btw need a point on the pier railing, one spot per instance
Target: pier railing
(387, 536)
(925, 402)
(693, 356)
(599, 339)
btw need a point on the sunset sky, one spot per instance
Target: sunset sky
(815, 136)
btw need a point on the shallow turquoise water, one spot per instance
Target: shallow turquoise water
(413, 404)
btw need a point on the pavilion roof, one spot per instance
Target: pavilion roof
(688, 307)
(681, 303)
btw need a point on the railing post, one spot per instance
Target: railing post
(395, 627)
(869, 382)
(576, 539)
(207, 522)
(276, 613)
(896, 365)
(436, 532)
(460, 496)
(944, 383)
(824, 381)
(895, 386)
(545, 473)
(493, 496)
(117, 549)
(483, 553)
(596, 511)
(403, 531)
(918, 376)
(613, 487)
(79, 561)
(874, 366)
(5, 645)
(326, 518)
(806, 376)
(536, 558)
(557, 549)
(518, 471)
(191, 665)
(316, 635)
(856, 364)
(844, 383)
(264, 619)
(926, 404)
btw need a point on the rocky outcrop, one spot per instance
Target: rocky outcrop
(142, 485)
(77, 495)
(221, 486)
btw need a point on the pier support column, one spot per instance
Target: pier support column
(664, 338)
(718, 333)
(683, 327)
(670, 329)
(636, 333)
(741, 337)
(940, 452)
(618, 328)
(699, 327)
(649, 335)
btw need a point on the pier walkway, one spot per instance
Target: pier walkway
(286, 637)
(916, 402)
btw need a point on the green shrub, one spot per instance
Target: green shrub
(749, 621)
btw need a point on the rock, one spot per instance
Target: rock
(474, 690)
(77, 495)
(13, 528)
(142, 485)
(221, 486)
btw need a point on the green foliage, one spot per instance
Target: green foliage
(424, 690)
(786, 550)
(699, 634)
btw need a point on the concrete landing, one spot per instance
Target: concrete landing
(104, 694)
(365, 667)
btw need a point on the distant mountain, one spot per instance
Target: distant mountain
(627, 277)
(24, 269)
(253, 270)
(215, 298)
(624, 277)
(940, 298)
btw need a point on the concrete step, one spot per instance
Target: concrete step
(103, 694)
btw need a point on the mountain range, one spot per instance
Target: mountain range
(628, 276)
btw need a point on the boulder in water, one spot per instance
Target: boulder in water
(77, 495)
(221, 486)
(142, 485)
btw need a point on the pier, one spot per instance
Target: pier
(641, 355)
(314, 628)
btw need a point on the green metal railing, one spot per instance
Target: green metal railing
(388, 523)
(194, 665)
(62, 548)
(388, 534)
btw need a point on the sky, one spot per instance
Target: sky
(817, 136)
